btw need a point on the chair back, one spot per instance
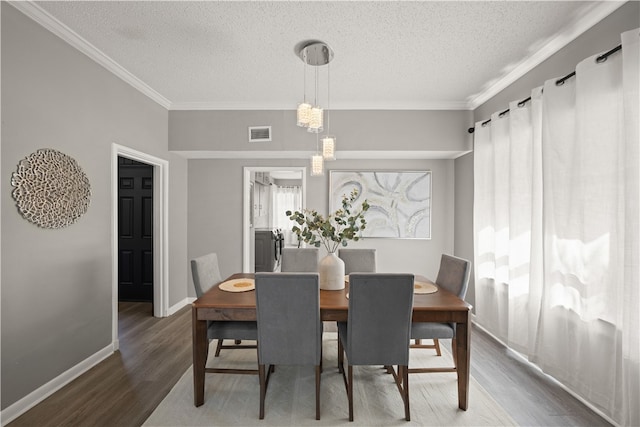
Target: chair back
(453, 275)
(288, 312)
(300, 260)
(358, 260)
(379, 319)
(205, 272)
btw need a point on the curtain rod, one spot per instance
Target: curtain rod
(600, 59)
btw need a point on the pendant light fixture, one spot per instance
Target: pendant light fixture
(329, 147)
(316, 119)
(329, 141)
(316, 53)
(317, 161)
(304, 108)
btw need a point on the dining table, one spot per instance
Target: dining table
(220, 305)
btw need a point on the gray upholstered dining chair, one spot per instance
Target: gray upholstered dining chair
(358, 260)
(453, 276)
(206, 273)
(377, 330)
(300, 260)
(289, 326)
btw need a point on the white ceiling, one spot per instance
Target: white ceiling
(388, 55)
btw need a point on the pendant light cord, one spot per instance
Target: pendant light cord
(316, 90)
(329, 98)
(304, 79)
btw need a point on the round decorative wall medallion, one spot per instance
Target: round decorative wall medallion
(51, 189)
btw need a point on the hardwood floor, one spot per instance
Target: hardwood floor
(531, 398)
(124, 389)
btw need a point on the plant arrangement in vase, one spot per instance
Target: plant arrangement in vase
(337, 229)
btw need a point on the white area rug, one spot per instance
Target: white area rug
(233, 400)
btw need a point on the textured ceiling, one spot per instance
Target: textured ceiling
(388, 55)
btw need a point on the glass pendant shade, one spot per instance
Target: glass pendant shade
(316, 120)
(317, 165)
(329, 147)
(304, 114)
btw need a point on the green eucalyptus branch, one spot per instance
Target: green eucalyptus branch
(337, 229)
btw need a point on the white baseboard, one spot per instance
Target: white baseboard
(174, 308)
(32, 399)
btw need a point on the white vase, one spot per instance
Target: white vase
(331, 270)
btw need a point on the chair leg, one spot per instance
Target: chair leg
(436, 344)
(398, 378)
(350, 391)
(405, 388)
(263, 389)
(454, 352)
(218, 347)
(222, 346)
(318, 371)
(340, 355)
(431, 370)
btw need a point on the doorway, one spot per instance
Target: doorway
(160, 252)
(255, 178)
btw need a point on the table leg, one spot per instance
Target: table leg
(200, 350)
(463, 362)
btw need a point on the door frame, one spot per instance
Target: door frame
(246, 204)
(160, 232)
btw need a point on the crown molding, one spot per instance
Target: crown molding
(52, 24)
(590, 18)
(214, 106)
(340, 155)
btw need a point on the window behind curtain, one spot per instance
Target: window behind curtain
(286, 198)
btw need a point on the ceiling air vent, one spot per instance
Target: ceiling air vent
(259, 133)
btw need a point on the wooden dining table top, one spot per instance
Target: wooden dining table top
(333, 303)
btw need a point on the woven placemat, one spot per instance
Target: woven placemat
(424, 288)
(238, 285)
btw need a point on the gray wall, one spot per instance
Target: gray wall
(215, 212)
(56, 284)
(463, 224)
(405, 130)
(601, 37)
(215, 186)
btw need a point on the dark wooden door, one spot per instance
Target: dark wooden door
(135, 230)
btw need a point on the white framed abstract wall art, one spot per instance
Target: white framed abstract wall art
(400, 201)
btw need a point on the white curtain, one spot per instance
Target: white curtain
(556, 220)
(284, 199)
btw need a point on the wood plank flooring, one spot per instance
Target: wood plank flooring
(530, 397)
(124, 389)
